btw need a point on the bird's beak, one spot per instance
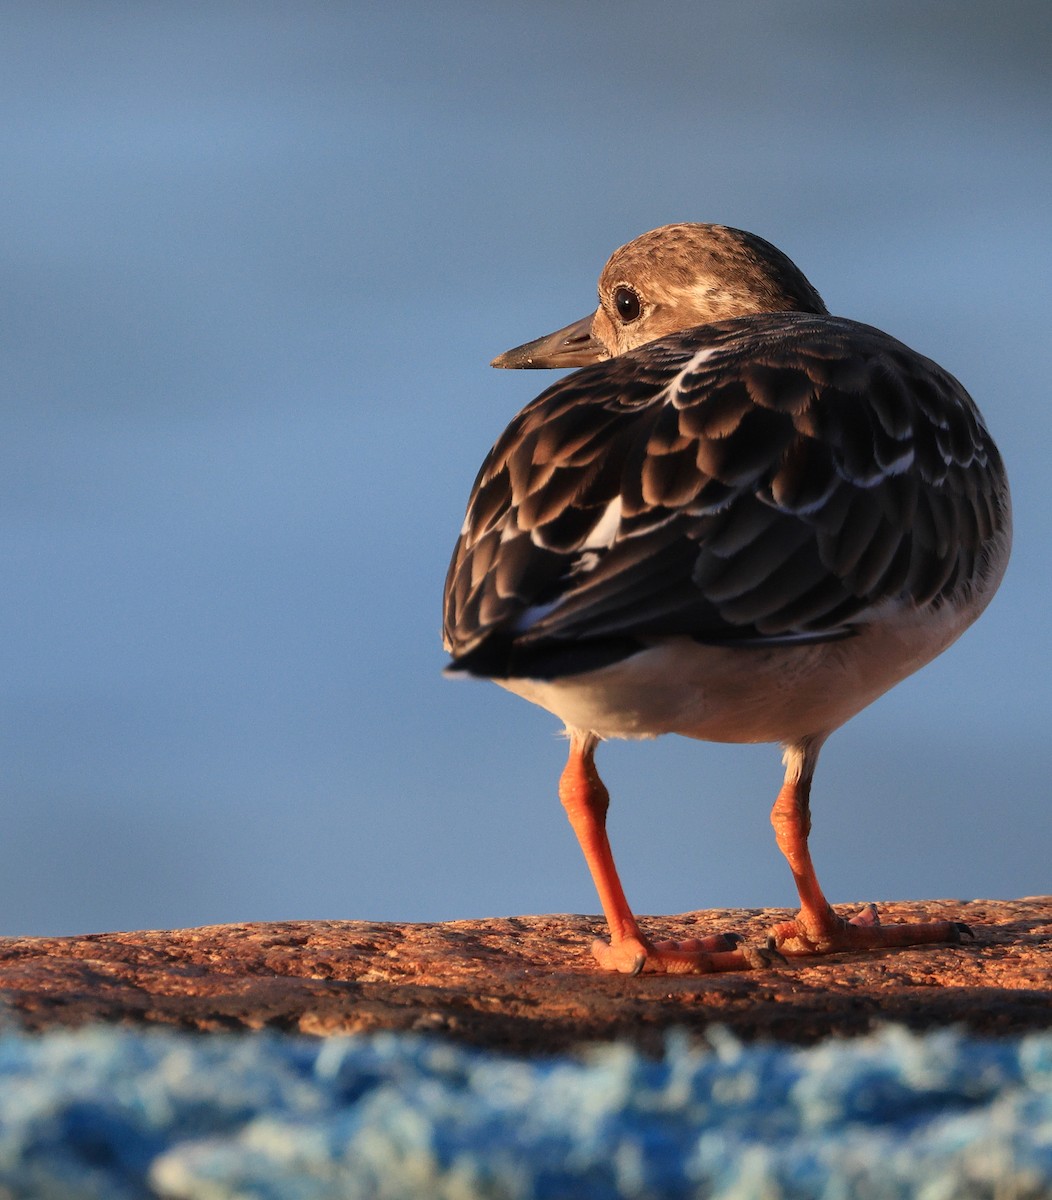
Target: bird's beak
(573, 346)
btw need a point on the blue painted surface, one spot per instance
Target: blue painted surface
(103, 1113)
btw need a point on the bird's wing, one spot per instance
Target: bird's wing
(756, 481)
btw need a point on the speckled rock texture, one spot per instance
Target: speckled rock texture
(527, 984)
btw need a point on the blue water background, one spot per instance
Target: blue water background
(254, 260)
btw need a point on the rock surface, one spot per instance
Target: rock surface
(527, 984)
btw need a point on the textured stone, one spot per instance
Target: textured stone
(528, 983)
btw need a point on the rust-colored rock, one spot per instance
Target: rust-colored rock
(527, 984)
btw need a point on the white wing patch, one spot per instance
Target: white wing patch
(672, 390)
(604, 531)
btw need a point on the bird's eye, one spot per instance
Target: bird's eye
(627, 302)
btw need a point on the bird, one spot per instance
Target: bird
(739, 519)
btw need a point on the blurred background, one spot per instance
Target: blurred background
(255, 260)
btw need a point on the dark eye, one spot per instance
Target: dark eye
(627, 304)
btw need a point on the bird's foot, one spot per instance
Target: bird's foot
(823, 932)
(695, 956)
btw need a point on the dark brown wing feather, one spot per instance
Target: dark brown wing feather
(778, 476)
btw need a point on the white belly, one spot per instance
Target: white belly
(747, 694)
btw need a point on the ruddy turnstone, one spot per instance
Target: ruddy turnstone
(742, 521)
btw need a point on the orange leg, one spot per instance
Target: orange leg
(817, 929)
(586, 800)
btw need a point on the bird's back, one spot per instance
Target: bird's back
(770, 480)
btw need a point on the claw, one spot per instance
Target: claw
(964, 929)
(638, 965)
(760, 957)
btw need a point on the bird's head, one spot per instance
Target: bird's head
(670, 279)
